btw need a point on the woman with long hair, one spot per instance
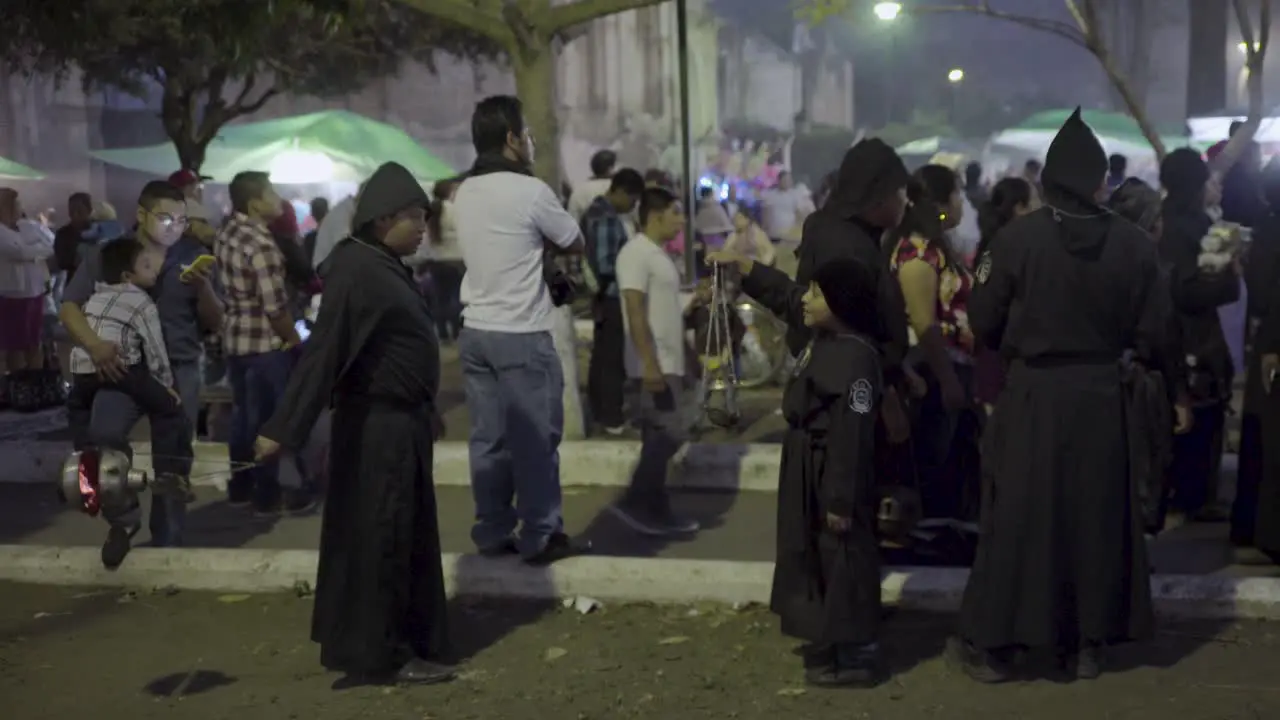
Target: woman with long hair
(445, 266)
(936, 284)
(1012, 197)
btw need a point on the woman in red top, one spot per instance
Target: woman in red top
(936, 284)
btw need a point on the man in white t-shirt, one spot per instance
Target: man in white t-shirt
(655, 355)
(784, 208)
(506, 219)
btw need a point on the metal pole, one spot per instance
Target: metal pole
(689, 174)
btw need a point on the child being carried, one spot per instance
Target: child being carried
(121, 312)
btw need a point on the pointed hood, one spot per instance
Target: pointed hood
(1076, 164)
(871, 170)
(389, 190)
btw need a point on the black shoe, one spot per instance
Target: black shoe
(424, 672)
(654, 524)
(119, 542)
(858, 666)
(559, 547)
(502, 549)
(822, 676)
(980, 666)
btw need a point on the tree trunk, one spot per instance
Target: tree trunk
(535, 71)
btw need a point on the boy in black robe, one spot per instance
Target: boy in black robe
(380, 598)
(1065, 291)
(826, 580)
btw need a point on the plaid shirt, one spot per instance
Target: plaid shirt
(251, 268)
(125, 315)
(605, 234)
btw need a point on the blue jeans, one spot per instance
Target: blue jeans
(515, 391)
(112, 419)
(257, 384)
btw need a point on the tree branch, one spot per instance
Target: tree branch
(1063, 30)
(569, 15)
(483, 17)
(1255, 54)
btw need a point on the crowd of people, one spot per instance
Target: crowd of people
(1059, 390)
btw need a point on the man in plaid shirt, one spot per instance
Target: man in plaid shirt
(605, 233)
(256, 337)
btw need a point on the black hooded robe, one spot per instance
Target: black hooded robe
(826, 588)
(1061, 557)
(1255, 517)
(380, 592)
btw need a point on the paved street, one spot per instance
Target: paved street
(68, 653)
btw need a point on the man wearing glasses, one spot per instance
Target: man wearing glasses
(189, 308)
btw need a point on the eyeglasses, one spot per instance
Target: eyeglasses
(168, 221)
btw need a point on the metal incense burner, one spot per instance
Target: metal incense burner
(719, 375)
(92, 478)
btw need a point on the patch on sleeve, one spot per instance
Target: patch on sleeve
(861, 396)
(984, 268)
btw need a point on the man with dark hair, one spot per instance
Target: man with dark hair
(974, 188)
(1117, 171)
(653, 319)
(602, 165)
(319, 210)
(69, 242)
(255, 337)
(506, 218)
(605, 234)
(189, 308)
(380, 610)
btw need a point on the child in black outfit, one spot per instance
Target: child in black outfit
(121, 312)
(826, 581)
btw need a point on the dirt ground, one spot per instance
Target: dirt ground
(68, 653)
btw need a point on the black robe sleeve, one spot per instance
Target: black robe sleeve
(345, 323)
(774, 290)
(1154, 340)
(1194, 291)
(849, 375)
(997, 277)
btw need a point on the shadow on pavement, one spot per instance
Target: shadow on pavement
(183, 684)
(27, 509)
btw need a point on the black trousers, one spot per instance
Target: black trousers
(171, 431)
(1244, 511)
(1197, 459)
(606, 375)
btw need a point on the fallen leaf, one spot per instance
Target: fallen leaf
(791, 692)
(554, 653)
(673, 640)
(232, 598)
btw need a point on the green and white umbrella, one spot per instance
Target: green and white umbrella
(1117, 132)
(334, 145)
(10, 170)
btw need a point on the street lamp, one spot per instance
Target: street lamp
(887, 11)
(1244, 47)
(955, 76)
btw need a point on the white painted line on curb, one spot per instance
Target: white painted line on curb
(606, 578)
(588, 463)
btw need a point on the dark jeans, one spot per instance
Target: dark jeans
(1244, 511)
(1197, 459)
(607, 375)
(171, 432)
(446, 282)
(515, 396)
(112, 417)
(945, 444)
(664, 423)
(257, 383)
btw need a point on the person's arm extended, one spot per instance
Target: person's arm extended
(268, 269)
(563, 236)
(635, 304)
(1195, 290)
(77, 292)
(919, 282)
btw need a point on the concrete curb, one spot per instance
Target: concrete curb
(603, 578)
(588, 463)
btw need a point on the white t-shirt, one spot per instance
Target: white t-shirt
(782, 210)
(585, 194)
(501, 219)
(645, 267)
(335, 226)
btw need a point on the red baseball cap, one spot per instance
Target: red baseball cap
(186, 178)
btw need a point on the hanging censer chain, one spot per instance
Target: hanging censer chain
(719, 376)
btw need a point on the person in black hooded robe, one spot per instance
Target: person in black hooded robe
(826, 579)
(1064, 292)
(380, 609)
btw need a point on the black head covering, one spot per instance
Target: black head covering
(1183, 174)
(389, 190)
(849, 288)
(1137, 202)
(870, 171)
(1076, 164)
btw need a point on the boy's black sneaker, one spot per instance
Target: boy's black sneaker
(119, 542)
(559, 547)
